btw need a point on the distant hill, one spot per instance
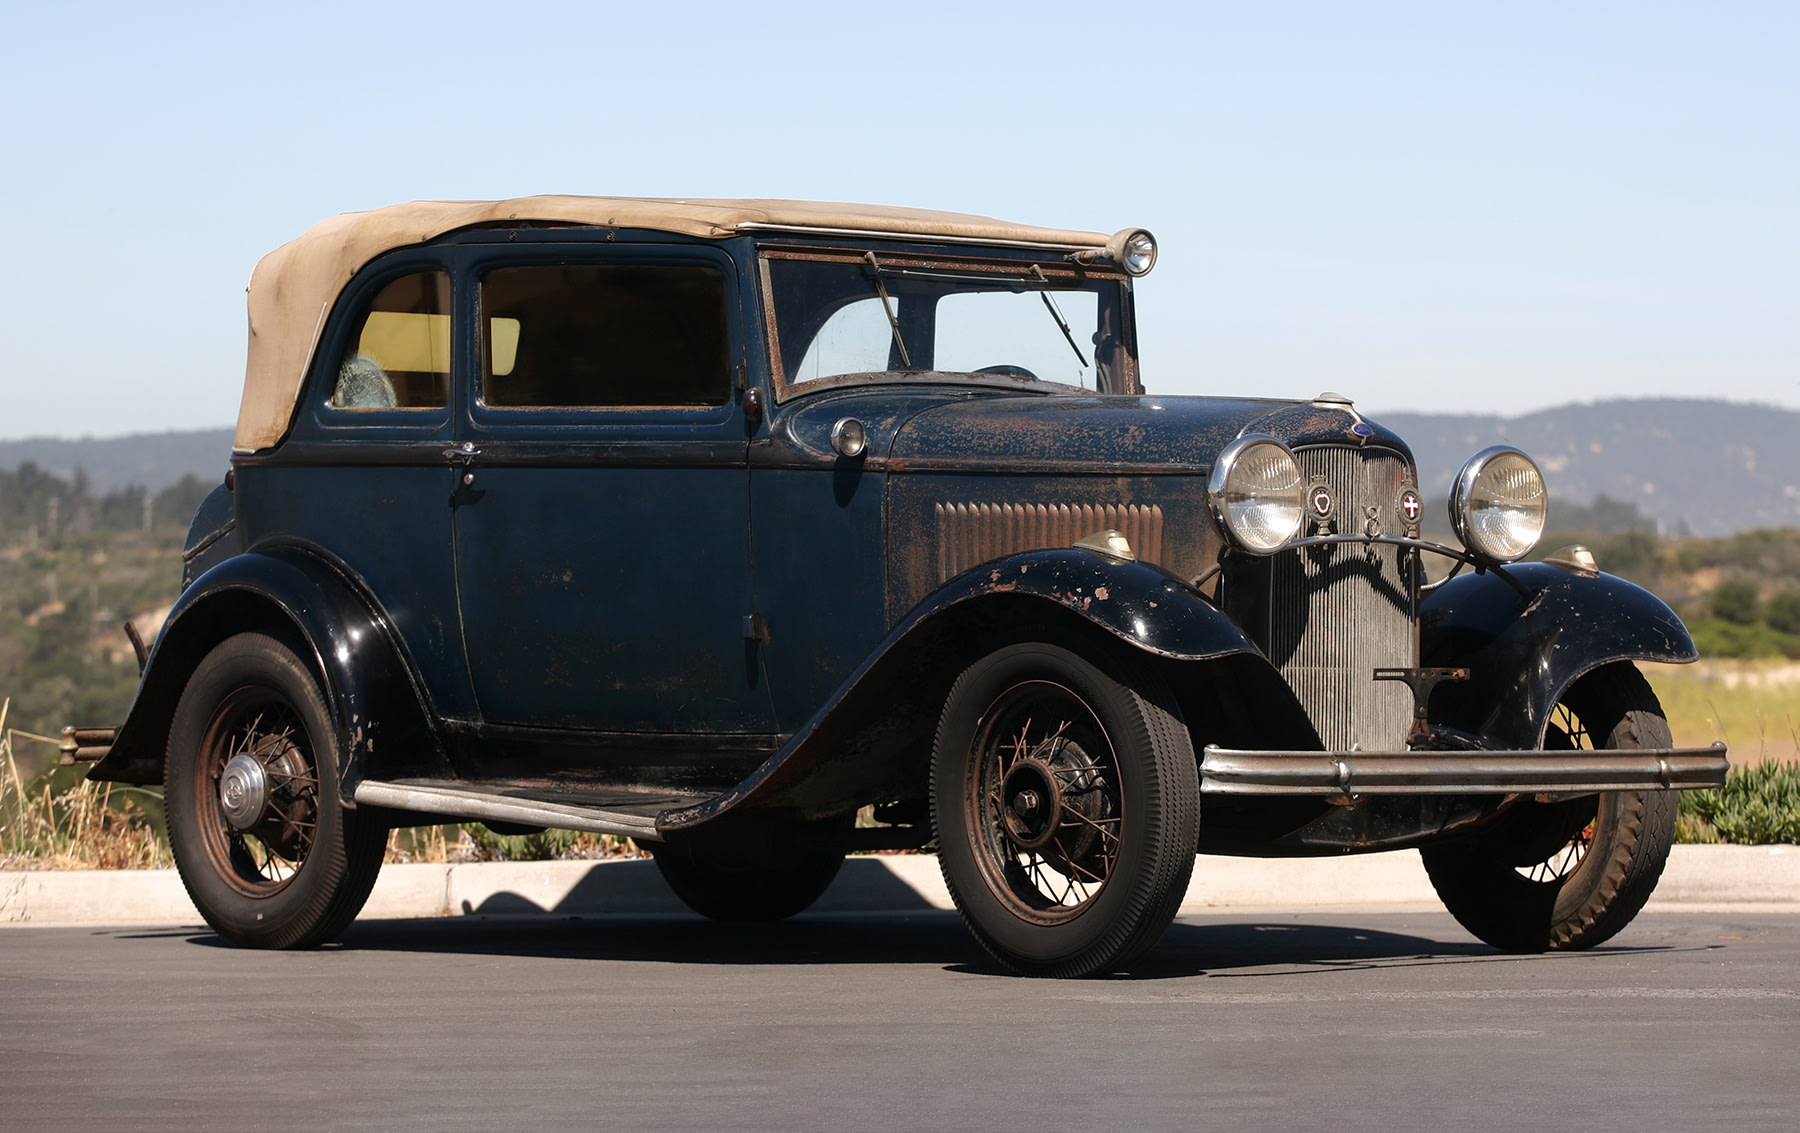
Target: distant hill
(153, 460)
(1707, 468)
(1697, 467)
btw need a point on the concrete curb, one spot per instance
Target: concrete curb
(1696, 875)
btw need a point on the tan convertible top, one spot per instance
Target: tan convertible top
(294, 286)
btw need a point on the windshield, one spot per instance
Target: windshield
(841, 316)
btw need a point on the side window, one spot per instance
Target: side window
(605, 335)
(399, 356)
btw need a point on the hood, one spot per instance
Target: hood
(1111, 433)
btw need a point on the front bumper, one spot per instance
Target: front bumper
(1349, 773)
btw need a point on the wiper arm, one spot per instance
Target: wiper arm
(1055, 313)
(888, 306)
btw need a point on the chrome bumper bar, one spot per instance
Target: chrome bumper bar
(1228, 772)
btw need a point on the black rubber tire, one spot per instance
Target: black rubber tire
(717, 882)
(252, 690)
(1149, 784)
(1628, 838)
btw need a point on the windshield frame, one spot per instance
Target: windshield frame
(1119, 375)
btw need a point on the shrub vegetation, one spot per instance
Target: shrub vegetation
(1757, 806)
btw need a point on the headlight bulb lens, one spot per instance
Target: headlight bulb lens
(1498, 504)
(1256, 494)
(1140, 253)
(1132, 249)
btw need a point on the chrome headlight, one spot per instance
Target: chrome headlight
(1498, 504)
(1255, 493)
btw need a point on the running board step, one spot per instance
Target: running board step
(470, 801)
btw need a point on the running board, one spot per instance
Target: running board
(466, 802)
(1225, 772)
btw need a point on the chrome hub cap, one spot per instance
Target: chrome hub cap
(244, 791)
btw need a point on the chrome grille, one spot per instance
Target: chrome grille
(1339, 612)
(970, 534)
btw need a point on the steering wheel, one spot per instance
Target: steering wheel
(1008, 371)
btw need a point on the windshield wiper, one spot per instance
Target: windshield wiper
(1055, 313)
(888, 306)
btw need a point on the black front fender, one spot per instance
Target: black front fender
(1523, 653)
(873, 738)
(319, 609)
(1141, 604)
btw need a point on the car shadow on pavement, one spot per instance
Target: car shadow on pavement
(923, 937)
(930, 937)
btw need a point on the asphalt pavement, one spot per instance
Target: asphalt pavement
(1343, 1021)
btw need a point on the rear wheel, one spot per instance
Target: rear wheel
(720, 881)
(266, 850)
(1568, 875)
(1066, 806)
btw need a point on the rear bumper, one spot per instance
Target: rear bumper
(1228, 772)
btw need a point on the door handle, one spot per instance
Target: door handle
(463, 454)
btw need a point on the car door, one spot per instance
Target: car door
(602, 526)
(361, 478)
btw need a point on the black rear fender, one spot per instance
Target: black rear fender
(319, 610)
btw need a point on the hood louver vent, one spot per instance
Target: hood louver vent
(970, 534)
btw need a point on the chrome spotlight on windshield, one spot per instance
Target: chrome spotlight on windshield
(1498, 504)
(1132, 249)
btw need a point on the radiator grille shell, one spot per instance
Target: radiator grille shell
(1338, 612)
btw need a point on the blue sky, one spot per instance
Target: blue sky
(1425, 206)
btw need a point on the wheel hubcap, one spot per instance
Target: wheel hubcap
(1032, 802)
(260, 802)
(1045, 801)
(243, 791)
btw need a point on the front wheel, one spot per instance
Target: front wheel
(266, 850)
(1065, 799)
(1567, 875)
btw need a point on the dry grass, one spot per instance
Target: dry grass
(98, 826)
(474, 842)
(1754, 706)
(93, 826)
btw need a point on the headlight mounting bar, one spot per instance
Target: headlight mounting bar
(1461, 554)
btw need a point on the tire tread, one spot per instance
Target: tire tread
(1634, 830)
(1171, 809)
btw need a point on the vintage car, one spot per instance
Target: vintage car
(720, 523)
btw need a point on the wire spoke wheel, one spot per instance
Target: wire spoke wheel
(1566, 733)
(1047, 794)
(1065, 799)
(258, 854)
(270, 856)
(1567, 873)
